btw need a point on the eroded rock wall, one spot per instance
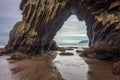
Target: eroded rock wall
(43, 18)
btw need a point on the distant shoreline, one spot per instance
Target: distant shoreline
(2, 46)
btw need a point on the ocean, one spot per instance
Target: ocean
(71, 40)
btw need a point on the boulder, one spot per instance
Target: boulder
(19, 56)
(66, 54)
(116, 68)
(3, 51)
(79, 51)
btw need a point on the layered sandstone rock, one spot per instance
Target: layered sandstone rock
(43, 18)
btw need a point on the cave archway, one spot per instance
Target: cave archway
(43, 18)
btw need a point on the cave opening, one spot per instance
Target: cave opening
(72, 32)
(42, 19)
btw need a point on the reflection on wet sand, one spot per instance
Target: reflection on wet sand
(71, 67)
(75, 67)
(101, 70)
(5, 73)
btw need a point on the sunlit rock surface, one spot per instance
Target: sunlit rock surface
(43, 18)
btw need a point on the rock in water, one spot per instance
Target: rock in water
(79, 51)
(3, 51)
(66, 53)
(43, 18)
(116, 68)
(19, 56)
(84, 41)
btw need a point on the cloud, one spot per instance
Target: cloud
(72, 31)
(76, 28)
(9, 15)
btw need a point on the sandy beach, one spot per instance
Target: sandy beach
(53, 66)
(37, 68)
(100, 70)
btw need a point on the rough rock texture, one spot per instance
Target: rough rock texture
(116, 68)
(43, 18)
(19, 56)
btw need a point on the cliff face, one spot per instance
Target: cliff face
(43, 18)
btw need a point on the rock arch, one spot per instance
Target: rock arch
(43, 18)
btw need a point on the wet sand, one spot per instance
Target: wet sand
(75, 67)
(100, 70)
(37, 68)
(71, 67)
(5, 72)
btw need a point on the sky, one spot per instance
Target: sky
(72, 31)
(9, 15)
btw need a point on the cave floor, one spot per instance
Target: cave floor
(100, 70)
(72, 67)
(5, 72)
(75, 67)
(37, 68)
